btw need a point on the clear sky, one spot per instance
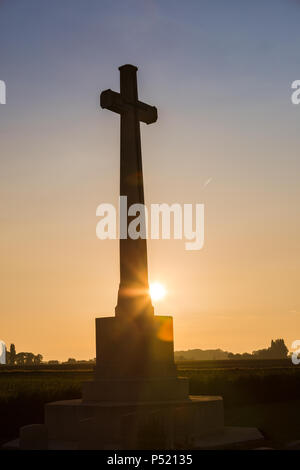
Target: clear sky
(220, 75)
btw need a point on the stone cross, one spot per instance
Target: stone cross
(133, 295)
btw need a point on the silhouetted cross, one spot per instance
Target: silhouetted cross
(133, 296)
(127, 99)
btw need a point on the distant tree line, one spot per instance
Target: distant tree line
(22, 358)
(71, 360)
(201, 355)
(277, 350)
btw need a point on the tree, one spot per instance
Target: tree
(71, 360)
(29, 359)
(37, 359)
(12, 354)
(20, 358)
(278, 349)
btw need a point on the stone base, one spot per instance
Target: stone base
(195, 423)
(135, 347)
(154, 425)
(133, 390)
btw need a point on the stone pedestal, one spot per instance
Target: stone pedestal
(136, 399)
(135, 390)
(135, 362)
(156, 424)
(134, 347)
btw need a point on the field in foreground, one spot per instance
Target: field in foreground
(266, 396)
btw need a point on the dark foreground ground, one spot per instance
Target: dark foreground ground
(264, 394)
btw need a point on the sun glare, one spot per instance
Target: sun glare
(157, 291)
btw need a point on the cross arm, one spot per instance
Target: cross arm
(114, 102)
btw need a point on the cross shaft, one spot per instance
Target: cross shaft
(133, 295)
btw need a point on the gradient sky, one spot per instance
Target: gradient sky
(220, 75)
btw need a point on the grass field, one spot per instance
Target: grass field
(265, 395)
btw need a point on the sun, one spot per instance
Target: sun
(157, 291)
